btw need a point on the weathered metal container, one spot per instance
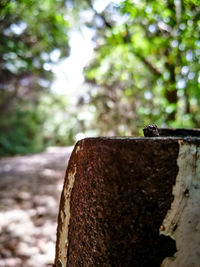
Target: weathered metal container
(131, 202)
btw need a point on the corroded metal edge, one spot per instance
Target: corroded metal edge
(63, 259)
(62, 242)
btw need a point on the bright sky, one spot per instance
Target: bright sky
(69, 72)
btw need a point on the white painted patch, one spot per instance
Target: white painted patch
(182, 222)
(78, 148)
(65, 219)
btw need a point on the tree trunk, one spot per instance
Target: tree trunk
(171, 91)
(131, 202)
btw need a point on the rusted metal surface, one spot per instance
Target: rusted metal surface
(153, 131)
(122, 190)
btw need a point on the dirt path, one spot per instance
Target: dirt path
(30, 188)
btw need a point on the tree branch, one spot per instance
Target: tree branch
(100, 15)
(126, 39)
(147, 63)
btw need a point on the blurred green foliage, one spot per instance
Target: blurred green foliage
(20, 133)
(29, 128)
(146, 65)
(33, 37)
(145, 69)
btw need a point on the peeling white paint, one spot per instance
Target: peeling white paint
(65, 219)
(78, 148)
(182, 222)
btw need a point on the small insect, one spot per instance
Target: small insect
(151, 131)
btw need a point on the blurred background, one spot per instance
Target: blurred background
(76, 68)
